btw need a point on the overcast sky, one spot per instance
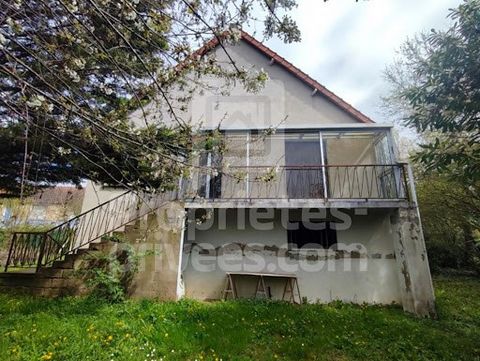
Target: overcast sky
(346, 44)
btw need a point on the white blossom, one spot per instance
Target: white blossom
(106, 89)
(139, 25)
(73, 7)
(72, 74)
(36, 101)
(131, 15)
(236, 34)
(64, 151)
(3, 41)
(79, 63)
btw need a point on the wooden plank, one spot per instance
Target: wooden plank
(280, 275)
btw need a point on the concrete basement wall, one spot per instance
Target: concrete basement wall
(373, 276)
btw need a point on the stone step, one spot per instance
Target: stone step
(34, 291)
(132, 227)
(48, 282)
(101, 246)
(65, 264)
(34, 280)
(81, 252)
(59, 277)
(71, 257)
(56, 272)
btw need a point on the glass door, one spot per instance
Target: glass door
(303, 166)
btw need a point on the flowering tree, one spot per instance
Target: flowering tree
(71, 71)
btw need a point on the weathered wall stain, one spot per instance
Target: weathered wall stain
(310, 255)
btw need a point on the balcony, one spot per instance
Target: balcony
(293, 169)
(332, 184)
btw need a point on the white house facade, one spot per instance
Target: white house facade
(307, 186)
(307, 201)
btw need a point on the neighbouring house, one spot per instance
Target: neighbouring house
(48, 206)
(307, 202)
(42, 210)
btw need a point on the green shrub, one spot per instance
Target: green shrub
(109, 274)
(450, 224)
(3, 237)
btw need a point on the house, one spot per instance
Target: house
(46, 207)
(307, 201)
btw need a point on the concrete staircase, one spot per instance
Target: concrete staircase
(70, 242)
(156, 228)
(57, 280)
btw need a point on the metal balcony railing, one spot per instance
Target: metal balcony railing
(335, 182)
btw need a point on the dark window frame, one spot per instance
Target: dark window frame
(325, 237)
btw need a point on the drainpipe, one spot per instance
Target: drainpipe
(180, 286)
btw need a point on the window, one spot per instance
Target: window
(210, 185)
(314, 234)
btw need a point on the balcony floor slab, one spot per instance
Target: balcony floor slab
(297, 203)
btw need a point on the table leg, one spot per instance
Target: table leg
(298, 291)
(229, 288)
(285, 289)
(265, 288)
(261, 288)
(234, 287)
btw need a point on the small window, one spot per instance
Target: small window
(322, 235)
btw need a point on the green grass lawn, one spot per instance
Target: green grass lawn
(85, 329)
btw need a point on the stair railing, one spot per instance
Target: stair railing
(37, 249)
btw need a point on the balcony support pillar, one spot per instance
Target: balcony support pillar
(412, 262)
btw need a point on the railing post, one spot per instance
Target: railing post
(324, 168)
(411, 191)
(398, 171)
(14, 237)
(42, 251)
(247, 177)
(208, 175)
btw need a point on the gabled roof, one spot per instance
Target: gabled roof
(335, 99)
